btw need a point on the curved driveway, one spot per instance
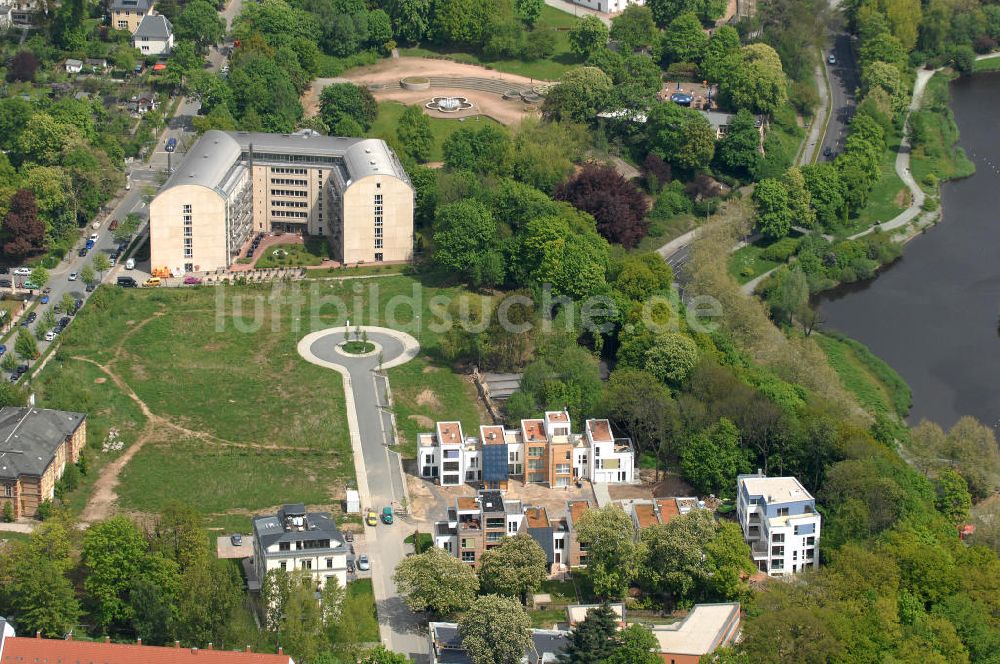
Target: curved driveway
(379, 471)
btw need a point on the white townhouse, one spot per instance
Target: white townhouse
(780, 523)
(540, 451)
(294, 539)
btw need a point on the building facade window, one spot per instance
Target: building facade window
(378, 257)
(378, 243)
(279, 170)
(329, 563)
(8, 490)
(468, 556)
(283, 565)
(289, 181)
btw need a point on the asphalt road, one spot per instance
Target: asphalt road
(844, 81)
(384, 478)
(59, 277)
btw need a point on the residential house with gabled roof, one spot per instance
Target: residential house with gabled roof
(154, 36)
(446, 645)
(128, 14)
(31, 650)
(36, 444)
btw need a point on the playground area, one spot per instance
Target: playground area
(507, 98)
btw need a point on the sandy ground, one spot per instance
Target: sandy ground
(389, 72)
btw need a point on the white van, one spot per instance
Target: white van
(130, 264)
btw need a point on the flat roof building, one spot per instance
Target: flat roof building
(780, 523)
(230, 185)
(706, 628)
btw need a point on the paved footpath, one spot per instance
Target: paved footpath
(379, 471)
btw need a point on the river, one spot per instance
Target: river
(933, 314)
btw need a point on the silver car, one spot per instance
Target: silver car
(363, 563)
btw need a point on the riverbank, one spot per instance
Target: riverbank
(932, 315)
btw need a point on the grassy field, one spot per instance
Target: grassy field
(888, 197)
(313, 252)
(989, 64)
(388, 119)
(361, 591)
(936, 135)
(548, 69)
(877, 386)
(362, 270)
(662, 231)
(241, 422)
(746, 263)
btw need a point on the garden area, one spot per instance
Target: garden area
(390, 112)
(936, 156)
(314, 251)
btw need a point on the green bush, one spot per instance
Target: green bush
(44, 510)
(682, 71)
(671, 202)
(781, 251)
(931, 203)
(8, 512)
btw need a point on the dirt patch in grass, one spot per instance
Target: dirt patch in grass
(422, 420)
(429, 399)
(429, 369)
(903, 198)
(100, 380)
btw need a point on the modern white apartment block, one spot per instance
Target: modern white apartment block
(780, 523)
(540, 451)
(296, 540)
(353, 191)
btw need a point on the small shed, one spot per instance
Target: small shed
(73, 66)
(353, 502)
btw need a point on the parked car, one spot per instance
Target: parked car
(44, 299)
(171, 144)
(152, 282)
(83, 252)
(93, 237)
(113, 225)
(50, 335)
(22, 271)
(89, 245)
(192, 281)
(90, 288)
(21, 369)
(350, 567)
(828, 151)
(371, 519)
(72, 276)
(236, 539)
(3, 349)
(130, 264)
(387, 515)
(348, 536)
(65, 320)
(30, 285)
(4, 269)
(127, 282)
(832, 59)
(363, 564)
(29, 319)
(6, 283)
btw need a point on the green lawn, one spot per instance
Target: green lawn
(388, 119)
(884, 201)
(361, 591)
(247, 423)
(218, 479)
(548, 69)
(361, 270)
(877, 386)
(935, 147)
(746, 263)
(313, 252)
(662, 231)
(989, 64)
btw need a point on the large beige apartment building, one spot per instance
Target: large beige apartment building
(231, 185)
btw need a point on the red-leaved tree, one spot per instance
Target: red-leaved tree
(23, 230)
(617, 204)
(23, 67)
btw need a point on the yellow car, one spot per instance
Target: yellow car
(152, 282)
(371, 519)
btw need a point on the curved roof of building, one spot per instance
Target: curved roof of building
(207, 162)
(211, 158)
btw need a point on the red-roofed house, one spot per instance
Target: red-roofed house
(26, 650)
